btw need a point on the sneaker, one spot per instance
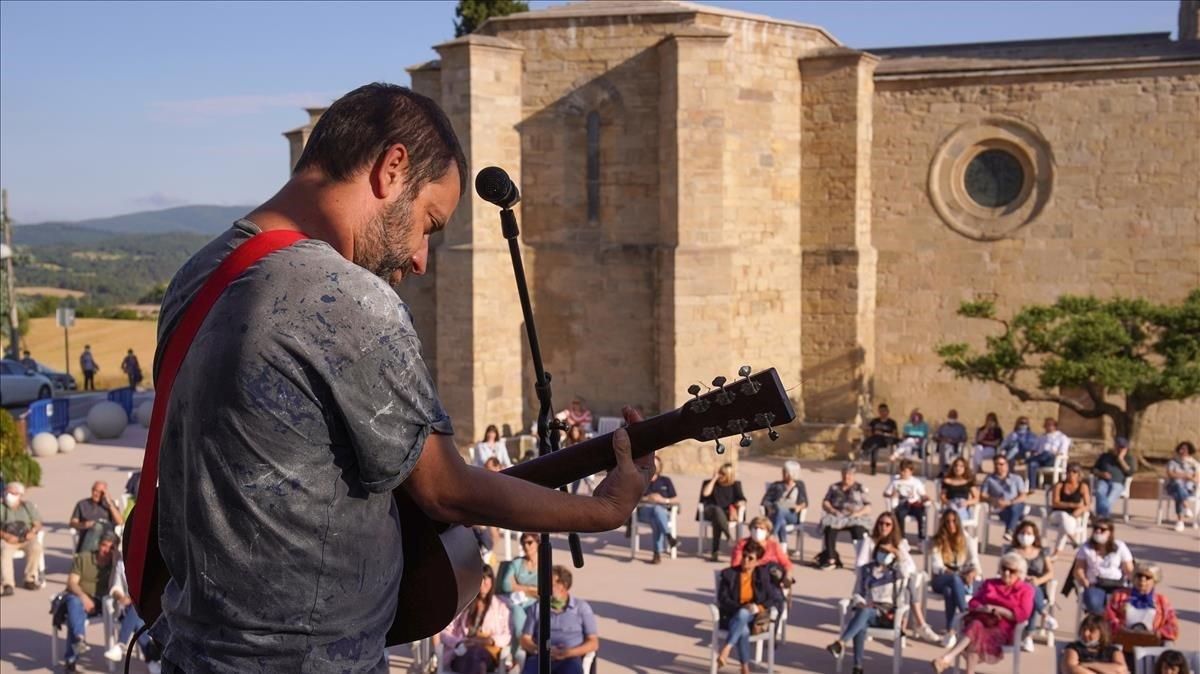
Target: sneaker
(154, 667)
(69, 667)
(1007, 537)
(81, 646)
(1051, 623)
(672, 541)
(950, 639)
(926, 633)
(828, 564)
(1027, 644)
(7, 591)
(32, 585)
(1178, 525)
(836, 649)
(116, 653)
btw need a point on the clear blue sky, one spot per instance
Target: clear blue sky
(109, 108)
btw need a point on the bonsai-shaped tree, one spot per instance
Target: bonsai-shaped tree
(1126, 355)
(472, 13)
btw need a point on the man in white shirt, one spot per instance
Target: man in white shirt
(1050, 446)
(910, 496)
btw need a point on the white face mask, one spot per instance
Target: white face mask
(1100, 537)
(1025, 540)
(11, 500)
(1092, 643)
(760, 535)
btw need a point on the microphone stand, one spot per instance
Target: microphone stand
(548, 428)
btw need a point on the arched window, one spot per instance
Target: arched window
(593, 166)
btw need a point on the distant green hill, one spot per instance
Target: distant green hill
(206, 220)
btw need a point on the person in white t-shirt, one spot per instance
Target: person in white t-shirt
(1183, 472)
(1102, 565)
(1049, 447)
(911, 499)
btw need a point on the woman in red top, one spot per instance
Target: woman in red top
(760, 532)
(1141, 608)
(997, 608)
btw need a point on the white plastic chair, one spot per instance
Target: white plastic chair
(1145, 656)
(41, 570)
(1055, 470)
(1165, 503)
(1048, 509)
(635, 531)
(703, 525)
(605, 425)
(716, 641)
(894, 634)
(797, 528)
(107, 618)
(1013, 649)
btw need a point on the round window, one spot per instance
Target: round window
(994, 178)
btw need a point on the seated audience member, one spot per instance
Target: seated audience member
(576, 434)
(1135, 613)
(577, 414)
(1093, 652)
(1171, 662)
(722, 497)
(1053, 445)
(655, 510)
(959, 491)
(992, 616)
(773, 551)
(1005, 493)
(517, 585)
(1111, 469)
(954, 564)
(784, 500)
(94, 516)
(950, 437)
(474, 642)
(878, 593)
(1103, 565)
(20, 522)
(844, 508)
(492, 446)
(1019, 444)
(87, 583)
(572, 629)
(1027, 542)
(131, 622)
(1070, 501)
(885, 535)
(881, 433)
(1183, 471)
(987, 442)
(911, 499)
(745, 592)
(912, 438)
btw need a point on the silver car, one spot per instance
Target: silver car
(19, 386)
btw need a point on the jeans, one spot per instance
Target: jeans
(954, 590)
(1108, 492)
(856, 630)
(1039, 607)
(917, 512)
(568, 666)
(1034, 463)
(659, 520)
(738, 633)
(873, 444)
(77, 622)
(131, 622)
(720, 524)
(784, 517)
(1180, 491)
(1012, 515)
(89, 380)
(1094, 599)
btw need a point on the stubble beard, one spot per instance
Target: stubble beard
(381, 249)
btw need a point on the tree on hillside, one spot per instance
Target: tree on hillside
(1126, 355)
(470, 14)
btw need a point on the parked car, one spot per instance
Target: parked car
(61, 380)
(21, 386)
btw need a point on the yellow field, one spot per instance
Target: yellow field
(110, 340)
(49, 292)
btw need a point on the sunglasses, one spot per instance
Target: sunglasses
(1008, 570)
(1145, 576)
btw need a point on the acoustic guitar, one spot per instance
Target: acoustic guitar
(442, 568)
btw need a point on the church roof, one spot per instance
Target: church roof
(588, 9)
(1149, 48)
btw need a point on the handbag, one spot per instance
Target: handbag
(762, 621)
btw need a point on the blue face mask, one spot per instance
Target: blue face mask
(884, 558)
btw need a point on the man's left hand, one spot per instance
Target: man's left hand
(559, 653)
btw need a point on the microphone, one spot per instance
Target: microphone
(494, 186)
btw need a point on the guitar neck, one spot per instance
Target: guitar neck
(595, 455)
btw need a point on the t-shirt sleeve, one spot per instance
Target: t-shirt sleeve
(34, 515)
(588, 618)
(668, 488)
(76, 565)
(1123, 553)
(77, 513)
(389, 405)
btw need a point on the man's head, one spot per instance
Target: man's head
(87, 347)
(1121, 444)
(1001, 466)
(14, 493)
(26, 353)
(398, 152)
(752, 553)
(105, 549)
(98, 491)
(561, 579)
(884, 411)
(1050, 425)
(952, 415)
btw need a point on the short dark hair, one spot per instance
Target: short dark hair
(753, 547)
(907, 464)
(1094, 622)
(563, 575)
(361, 125)
(1171, 658)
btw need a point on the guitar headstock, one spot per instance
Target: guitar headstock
(752, 403)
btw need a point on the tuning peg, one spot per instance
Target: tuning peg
(766, 419)
(719, 382)
(694, 389)
(745, 441)
(697, 405)
(724, 397)
(720, 447)
(772, 433)
(744, 371)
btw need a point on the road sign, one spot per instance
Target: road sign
(65, 317)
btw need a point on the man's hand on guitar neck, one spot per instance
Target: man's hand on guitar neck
(448, 490)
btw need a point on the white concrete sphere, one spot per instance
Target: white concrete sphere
(82, 434)
(66, 443)
(107, 420)
(44, 444)
(143, 413)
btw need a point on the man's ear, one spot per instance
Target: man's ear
(390, 172)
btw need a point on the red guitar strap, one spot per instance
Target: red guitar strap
(144, 566)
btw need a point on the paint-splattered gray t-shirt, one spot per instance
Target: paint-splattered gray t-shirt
(302, 403)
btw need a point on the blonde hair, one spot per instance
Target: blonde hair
(1013, 560)
(1150, 569)
(761, 522)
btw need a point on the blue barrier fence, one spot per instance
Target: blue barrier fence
(48, 416)
(124, 398)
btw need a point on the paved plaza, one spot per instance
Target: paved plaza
(651, 618)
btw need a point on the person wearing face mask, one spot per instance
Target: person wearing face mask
(746, 593)
(992, 616)
(1141, 615)
(885, 538)
(1093, 652)
(773, 551)
(20, 522)
(1021, 442)
(1101, 566)
(878, 591)
(1028, 544)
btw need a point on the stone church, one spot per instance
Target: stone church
(704, 188)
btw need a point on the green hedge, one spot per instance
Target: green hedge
(15, 463)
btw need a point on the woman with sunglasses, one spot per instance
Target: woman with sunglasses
(1102, 565)
(1093, 652)
(1027, 543)
(1133, 612)
(1070, 502)
(954, 565)
(992, 616)
(885, 536)
(877, 594)
(744, 593)
(517, 585)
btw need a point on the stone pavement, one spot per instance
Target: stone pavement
(651, 618)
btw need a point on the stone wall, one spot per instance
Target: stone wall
(1124, 220)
